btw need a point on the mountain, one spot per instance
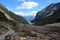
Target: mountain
(29, 18)
(48, 15)
(6, 15)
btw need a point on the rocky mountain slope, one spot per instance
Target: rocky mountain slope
(6, 14)
(50, 14)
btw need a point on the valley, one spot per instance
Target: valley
(45, 26)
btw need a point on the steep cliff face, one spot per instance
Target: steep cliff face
(5, 14)
(50, 14)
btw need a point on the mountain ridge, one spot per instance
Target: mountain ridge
(11, 16)
(48, 15)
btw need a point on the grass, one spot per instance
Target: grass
(15, 28)
(53, 28)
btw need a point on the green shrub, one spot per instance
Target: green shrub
(7, 37)
(15, 28)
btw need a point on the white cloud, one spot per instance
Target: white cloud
(27, 5)
(9, 8)
(20, 13)
(33, 13)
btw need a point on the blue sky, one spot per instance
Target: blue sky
(26, 7)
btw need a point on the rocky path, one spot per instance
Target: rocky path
(9, 32)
